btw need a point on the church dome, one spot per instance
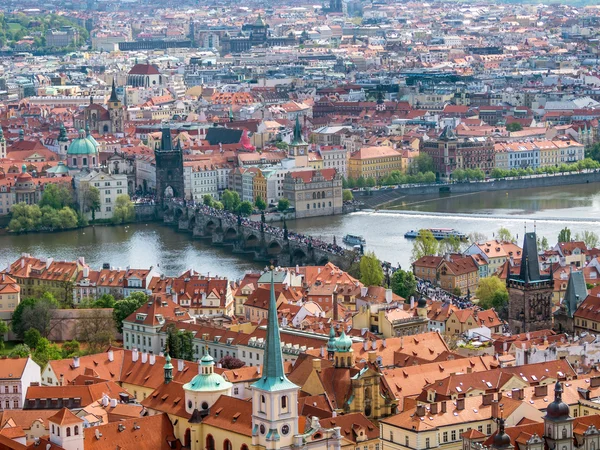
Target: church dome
(558, 410)
(501, 440)
(207, 380)
(90, 138)
(343, 343)
(82, 146)
(422, 303)
(24, 176)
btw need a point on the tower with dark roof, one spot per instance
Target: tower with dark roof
(558, 423)
(115, 111)
(2, 144)
(298, 146)
(529, 292)
(169, 168)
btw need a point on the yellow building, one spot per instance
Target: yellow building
(10, 293)
(259, 185)
(374, 162)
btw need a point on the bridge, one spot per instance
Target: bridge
(248, 237)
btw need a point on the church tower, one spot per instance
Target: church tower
(63, 141)
(298, 147)
(116, 111)
(66, 430)
(558, 423)
(169, 168)
(529, 293)
(3, 145)
(274, 397)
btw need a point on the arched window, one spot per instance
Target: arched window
(52, 428)
(244, 447)
(284, 402)
(314, 195)
(58, 431)
(76, 430)
(74, 161)
(85, 161)
(564, 433)
(227, 444)
(323, 194)
(68, 431)
(210, 442)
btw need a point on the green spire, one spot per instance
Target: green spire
(230, 114)
(62, 135)
(168, 369)
(1, 135)
(331, 342)
(298, 139)
(273, 376)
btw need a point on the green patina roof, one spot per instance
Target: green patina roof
(343, 343)
(273, 378)
(60, 168)
(89, 136)
(207, 383)
(298, 139)
(82, 146)
(168, 364)
(576, 292)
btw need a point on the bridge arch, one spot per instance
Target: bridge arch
(274, 248)
(323, 261)
(298, 256)
(178, 213)
(210, 227)
(192, 222)
(252, 241)
(230, 234)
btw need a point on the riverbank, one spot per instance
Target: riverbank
(379, 199)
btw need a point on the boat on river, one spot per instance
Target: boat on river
(354, 239)
(438, 233)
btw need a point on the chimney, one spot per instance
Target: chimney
(86, 272)
(469, 369)
(495, 409)
(374, 344)
(335, 305)
(316, 364)
(594, 382)
(76, 361)
(365, 345)
(487, 399)
(433, 408)
(180, 363)
(518, 394)
(420, 410)
(460, 404)
(542, 391)
(134, 355)
(412, 302)
(144, 357)
(363, 291)
(152, 359)
(111, 356)
(372, 357)
(388, 296)
(443, 407)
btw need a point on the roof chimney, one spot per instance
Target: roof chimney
(433, 408)
(316, 364)
(152, 359)
(111, 356)
(180, 364)
(144, 357)
(134, 355)
(76, 361)
(460, 404)
(372, 357)
(420, 410)
(443, 407)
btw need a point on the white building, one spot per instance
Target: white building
(16, 375)
(335, 157)
(110, 187)
(199, 179)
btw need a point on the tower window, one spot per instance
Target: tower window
(284, 402)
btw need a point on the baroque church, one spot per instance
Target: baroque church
(109, 120)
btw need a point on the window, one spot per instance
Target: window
(426, 442)
(68, 431)
(76, 430)
(489, 428)
(406, 440)
(453, 435)
(15, 389)
(16, 404)
(445, 436)
(284, 402)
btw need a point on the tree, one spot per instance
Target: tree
(231, 200)
(588, 237)
(458, 175)
(421, 164)
(514, 126)
(371, 273)
(124, 210)
(96, 328)
(449, 245)
(68, 218)
(504, 235)
(245, 208)
(283, 205)
(126, 307)
(34, 313)
(487, 290)
(25, 218)
(425, 245)
(218, 205)
(3, 332)
(404, 283)
(32, 337)
(91, 200)
(20, 351)
(57, 196)
(105, 301)
(456, 291)
(371, 182)
(347, 195)
(229, 362)
(260, 204)
(476, 237)
(70, 348)
(208, 200)
(564, 235)
(46, 352)
(542, 243)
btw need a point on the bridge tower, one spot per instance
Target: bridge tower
(169, 168)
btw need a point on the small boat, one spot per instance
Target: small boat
(354, 239)
(438, 233)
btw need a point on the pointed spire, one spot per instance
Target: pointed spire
(230, 114)
(298, 139)
(113, 93)
(62, 135)
(530, 267)
(1, 135)
(168, 368)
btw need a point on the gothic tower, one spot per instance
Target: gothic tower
(63, 141)
(274, 397)
(299, 146)
(116, 111)
(2, 144)
(529, 293)
(558, 423)
(169, 168)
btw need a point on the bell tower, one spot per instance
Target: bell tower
(169, 168)
(2, 144)
(274, 397)
(116, 111)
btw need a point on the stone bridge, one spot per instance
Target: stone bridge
(244, 239)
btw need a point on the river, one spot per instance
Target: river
(142, 245)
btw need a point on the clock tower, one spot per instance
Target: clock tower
(529, 293)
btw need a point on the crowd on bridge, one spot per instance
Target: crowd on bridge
(436, 293)
(283, 233)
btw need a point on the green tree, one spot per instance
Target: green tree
(231, 200)
(361, 182)
(456, 291)
(45, 352)
(70, 348)
(371, 273)
(245, 208)
(593, 152)
(281, 145)
(260, 204)
(32, 337)
(425, 245)
(564, 235)
(208, 200)
(404, 283)
(34, 313)
(124, 210)
(421, 164)
(371, 182)
(542, 243)
(347, 195)
(218, 205)
(3, 332)
(458, 175)
(487, 290)
(25, 217)
(514, 126)
(91, 200)
(57, 196)
(283, 205)
(105, 301)
(504, 235)
(124, 308)
(68, 218)
(20, 351)
(449, 245)
(173, 342)
(588, 237)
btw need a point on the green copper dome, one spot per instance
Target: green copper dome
(207, 383)
(343, 343)
(81, 146)
(89, 136)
